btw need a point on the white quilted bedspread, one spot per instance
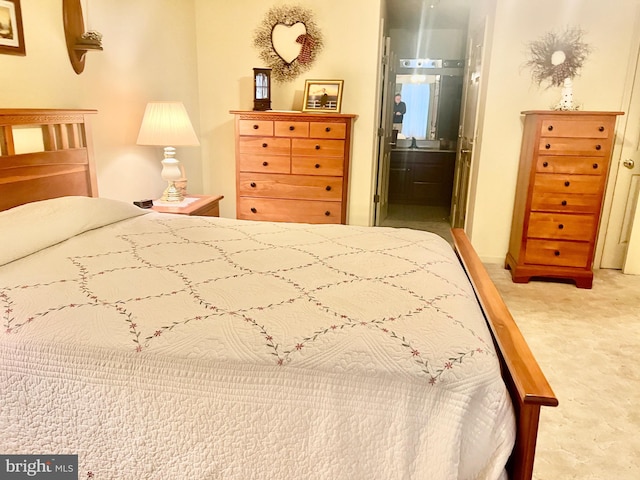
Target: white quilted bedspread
(173, 347)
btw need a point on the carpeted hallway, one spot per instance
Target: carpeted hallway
(587, 343)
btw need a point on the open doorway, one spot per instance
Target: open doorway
(427, 43)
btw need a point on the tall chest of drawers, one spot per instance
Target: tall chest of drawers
(564, 162)
(292, 167)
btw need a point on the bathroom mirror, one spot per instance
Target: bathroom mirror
(420, 94)
(432, 98)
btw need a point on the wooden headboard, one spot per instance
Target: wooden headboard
(62, 163)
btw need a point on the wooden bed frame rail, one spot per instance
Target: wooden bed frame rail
(528, 387)
(64, 164)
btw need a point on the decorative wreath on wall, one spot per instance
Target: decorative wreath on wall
(289, 41)
(558, 56)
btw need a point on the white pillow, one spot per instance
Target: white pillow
(34, 226)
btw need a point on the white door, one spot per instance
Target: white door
(632, 258)
(468, 123)
(622, 237)
(385, 132)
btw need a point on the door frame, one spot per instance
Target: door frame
(465, 176)
(385, 126)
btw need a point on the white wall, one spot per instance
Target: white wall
(149, 54)
(153, 52)
(226, 57)
(608, 29)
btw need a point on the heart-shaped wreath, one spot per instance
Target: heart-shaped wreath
(280, 22)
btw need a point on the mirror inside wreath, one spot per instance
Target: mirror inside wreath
(285, 40)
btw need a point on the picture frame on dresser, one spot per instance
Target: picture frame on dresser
(322, 96)
(11, 31)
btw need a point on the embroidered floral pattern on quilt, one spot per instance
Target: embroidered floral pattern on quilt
(292, 295)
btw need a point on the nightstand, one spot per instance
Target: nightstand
(201, 205)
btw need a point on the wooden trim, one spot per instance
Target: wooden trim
(567, 112)
(525, 380)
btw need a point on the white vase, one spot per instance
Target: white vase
(566, 100)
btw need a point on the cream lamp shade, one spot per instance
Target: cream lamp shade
(167, 124)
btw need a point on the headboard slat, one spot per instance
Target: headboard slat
(66, 165)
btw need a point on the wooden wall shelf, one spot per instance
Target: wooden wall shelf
(73, 30)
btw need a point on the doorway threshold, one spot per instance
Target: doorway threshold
(429, 218)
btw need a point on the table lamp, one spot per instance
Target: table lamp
(167, 124)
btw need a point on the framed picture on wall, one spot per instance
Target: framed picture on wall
(11, 34)
(322, 96)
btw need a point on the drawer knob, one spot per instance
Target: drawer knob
(547, 146)
(595, 166)
(317, 165)
(327, 213)
(264, 164)
(253, 184)
(255, 127)
(601, 128)
(567, 183)
(561, 226)
(254, 210)
(550, 128)
(264, 145)
(317, 147)
(557, 253)
(598, 147)
(545, 164)
(292, 128)
(564, 203)
(328, 188)
(328, 129)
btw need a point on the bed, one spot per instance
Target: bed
(155, 345)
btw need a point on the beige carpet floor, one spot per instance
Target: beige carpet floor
(588, 344)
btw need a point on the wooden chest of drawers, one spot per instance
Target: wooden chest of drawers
(292, 167)
(563, 169)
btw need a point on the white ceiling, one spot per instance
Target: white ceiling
(416, 14)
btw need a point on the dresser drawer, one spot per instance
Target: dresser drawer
(584, 184)
(561, 226)
(248, 162)
(291, 129)
(327, 130)
(333, 166)
(264, 145)
(569, 164)
(255, 127)
(317, 148)
(565, 202)
(596, 128)
(306, 187)
(281, 210)
(574, 146)
(555, 253)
